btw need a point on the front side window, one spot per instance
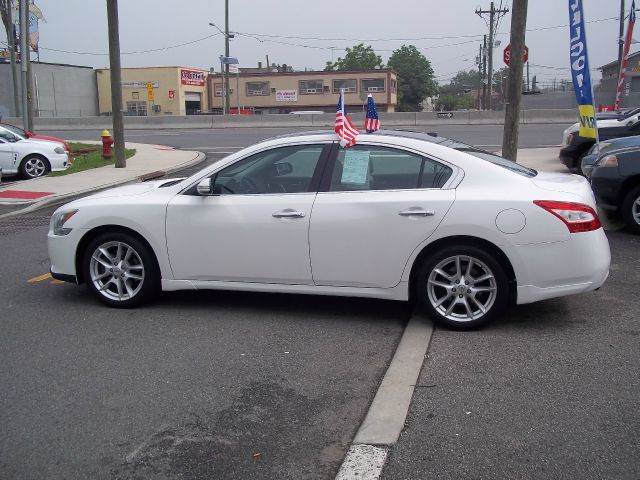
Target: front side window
(279, 170)
(379, 168)
(257, 88)
(350, 85)
(373, 85)
(310, 87)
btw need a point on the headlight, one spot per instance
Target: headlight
(59, 150)
(58, 221)
(608, 161)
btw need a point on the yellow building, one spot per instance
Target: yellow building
(306, 91)
(156, 91)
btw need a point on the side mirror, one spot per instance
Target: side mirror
(205, 187)
(283, 168)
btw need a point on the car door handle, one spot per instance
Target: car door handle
(288, 213)
(416, 212)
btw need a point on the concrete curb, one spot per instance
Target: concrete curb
(199, 158)
(386, 416)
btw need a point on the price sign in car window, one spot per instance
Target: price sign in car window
(355, 170)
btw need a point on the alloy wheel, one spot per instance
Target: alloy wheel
(461, 288)
(635, 210)
(117, 271)
(35, 167)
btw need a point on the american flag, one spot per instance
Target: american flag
(371, 123)
(344, 127)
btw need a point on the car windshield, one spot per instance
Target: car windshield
(14, 129)
(9, 136)
(501, 162)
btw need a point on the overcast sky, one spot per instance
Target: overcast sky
(81, 26)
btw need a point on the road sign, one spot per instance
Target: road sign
(506, 56)
(233, 68)
(228, 60)
(150, 91)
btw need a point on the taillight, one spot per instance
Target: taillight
(576, 216)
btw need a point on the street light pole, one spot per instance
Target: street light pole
(116, 83)
(226, 54)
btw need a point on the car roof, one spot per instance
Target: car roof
(430, 137)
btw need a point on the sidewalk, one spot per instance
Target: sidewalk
(543, 159)
(148, 162)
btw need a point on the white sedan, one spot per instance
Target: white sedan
(30, 158)
(400, 215)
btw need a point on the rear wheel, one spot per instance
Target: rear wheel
(631, 209)
(34, 166)
(120, 270)
(462, 287)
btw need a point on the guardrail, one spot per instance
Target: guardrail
(395, 119)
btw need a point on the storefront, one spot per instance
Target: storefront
(156, 91)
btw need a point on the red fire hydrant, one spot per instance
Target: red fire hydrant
(107, 142)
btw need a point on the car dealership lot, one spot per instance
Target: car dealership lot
(238, 385)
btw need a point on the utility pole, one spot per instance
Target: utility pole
(30, 95)
(23, 62)
(12, 60)
(116, 83)
(514, 82)
(226, 54)
(480, 77)
(494, 16)
(484, 73)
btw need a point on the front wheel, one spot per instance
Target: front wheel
(34, 166)
(120, 270)
(462, 287)
(631, 209)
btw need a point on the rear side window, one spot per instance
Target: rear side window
(365, 167)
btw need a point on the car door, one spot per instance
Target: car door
(7, 157)
(255, 228)
(378, 206)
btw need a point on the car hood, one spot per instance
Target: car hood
(133, 189)
(566, 183)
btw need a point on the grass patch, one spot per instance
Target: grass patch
(87, 156)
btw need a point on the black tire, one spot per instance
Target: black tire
(492, 293)
(631, 208)
(119, 288)
(34, 166)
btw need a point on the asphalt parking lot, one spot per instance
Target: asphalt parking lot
(232, 385)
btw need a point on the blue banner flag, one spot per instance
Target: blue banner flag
(580, 70)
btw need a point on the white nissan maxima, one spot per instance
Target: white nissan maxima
(399, 215)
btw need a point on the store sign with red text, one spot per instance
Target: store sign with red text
(192, 77)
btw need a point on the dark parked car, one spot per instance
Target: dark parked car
(610, 146)
(616, 184)
(576, 146)
(617, 115)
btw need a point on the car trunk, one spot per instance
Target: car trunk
(568, 183)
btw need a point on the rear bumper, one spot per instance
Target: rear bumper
(578, 265)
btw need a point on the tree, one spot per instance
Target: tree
(465, 81)
(357, 58)
(416, 80)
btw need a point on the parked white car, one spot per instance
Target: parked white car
(399, 215)
(29, 157)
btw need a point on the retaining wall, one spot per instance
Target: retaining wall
(396, 119)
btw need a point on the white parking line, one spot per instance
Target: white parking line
(363, 462)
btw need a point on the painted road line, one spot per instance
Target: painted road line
(363, 462)
(39, 278)
(388, 411)
(56, 282)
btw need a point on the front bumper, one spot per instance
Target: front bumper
(59, 162)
